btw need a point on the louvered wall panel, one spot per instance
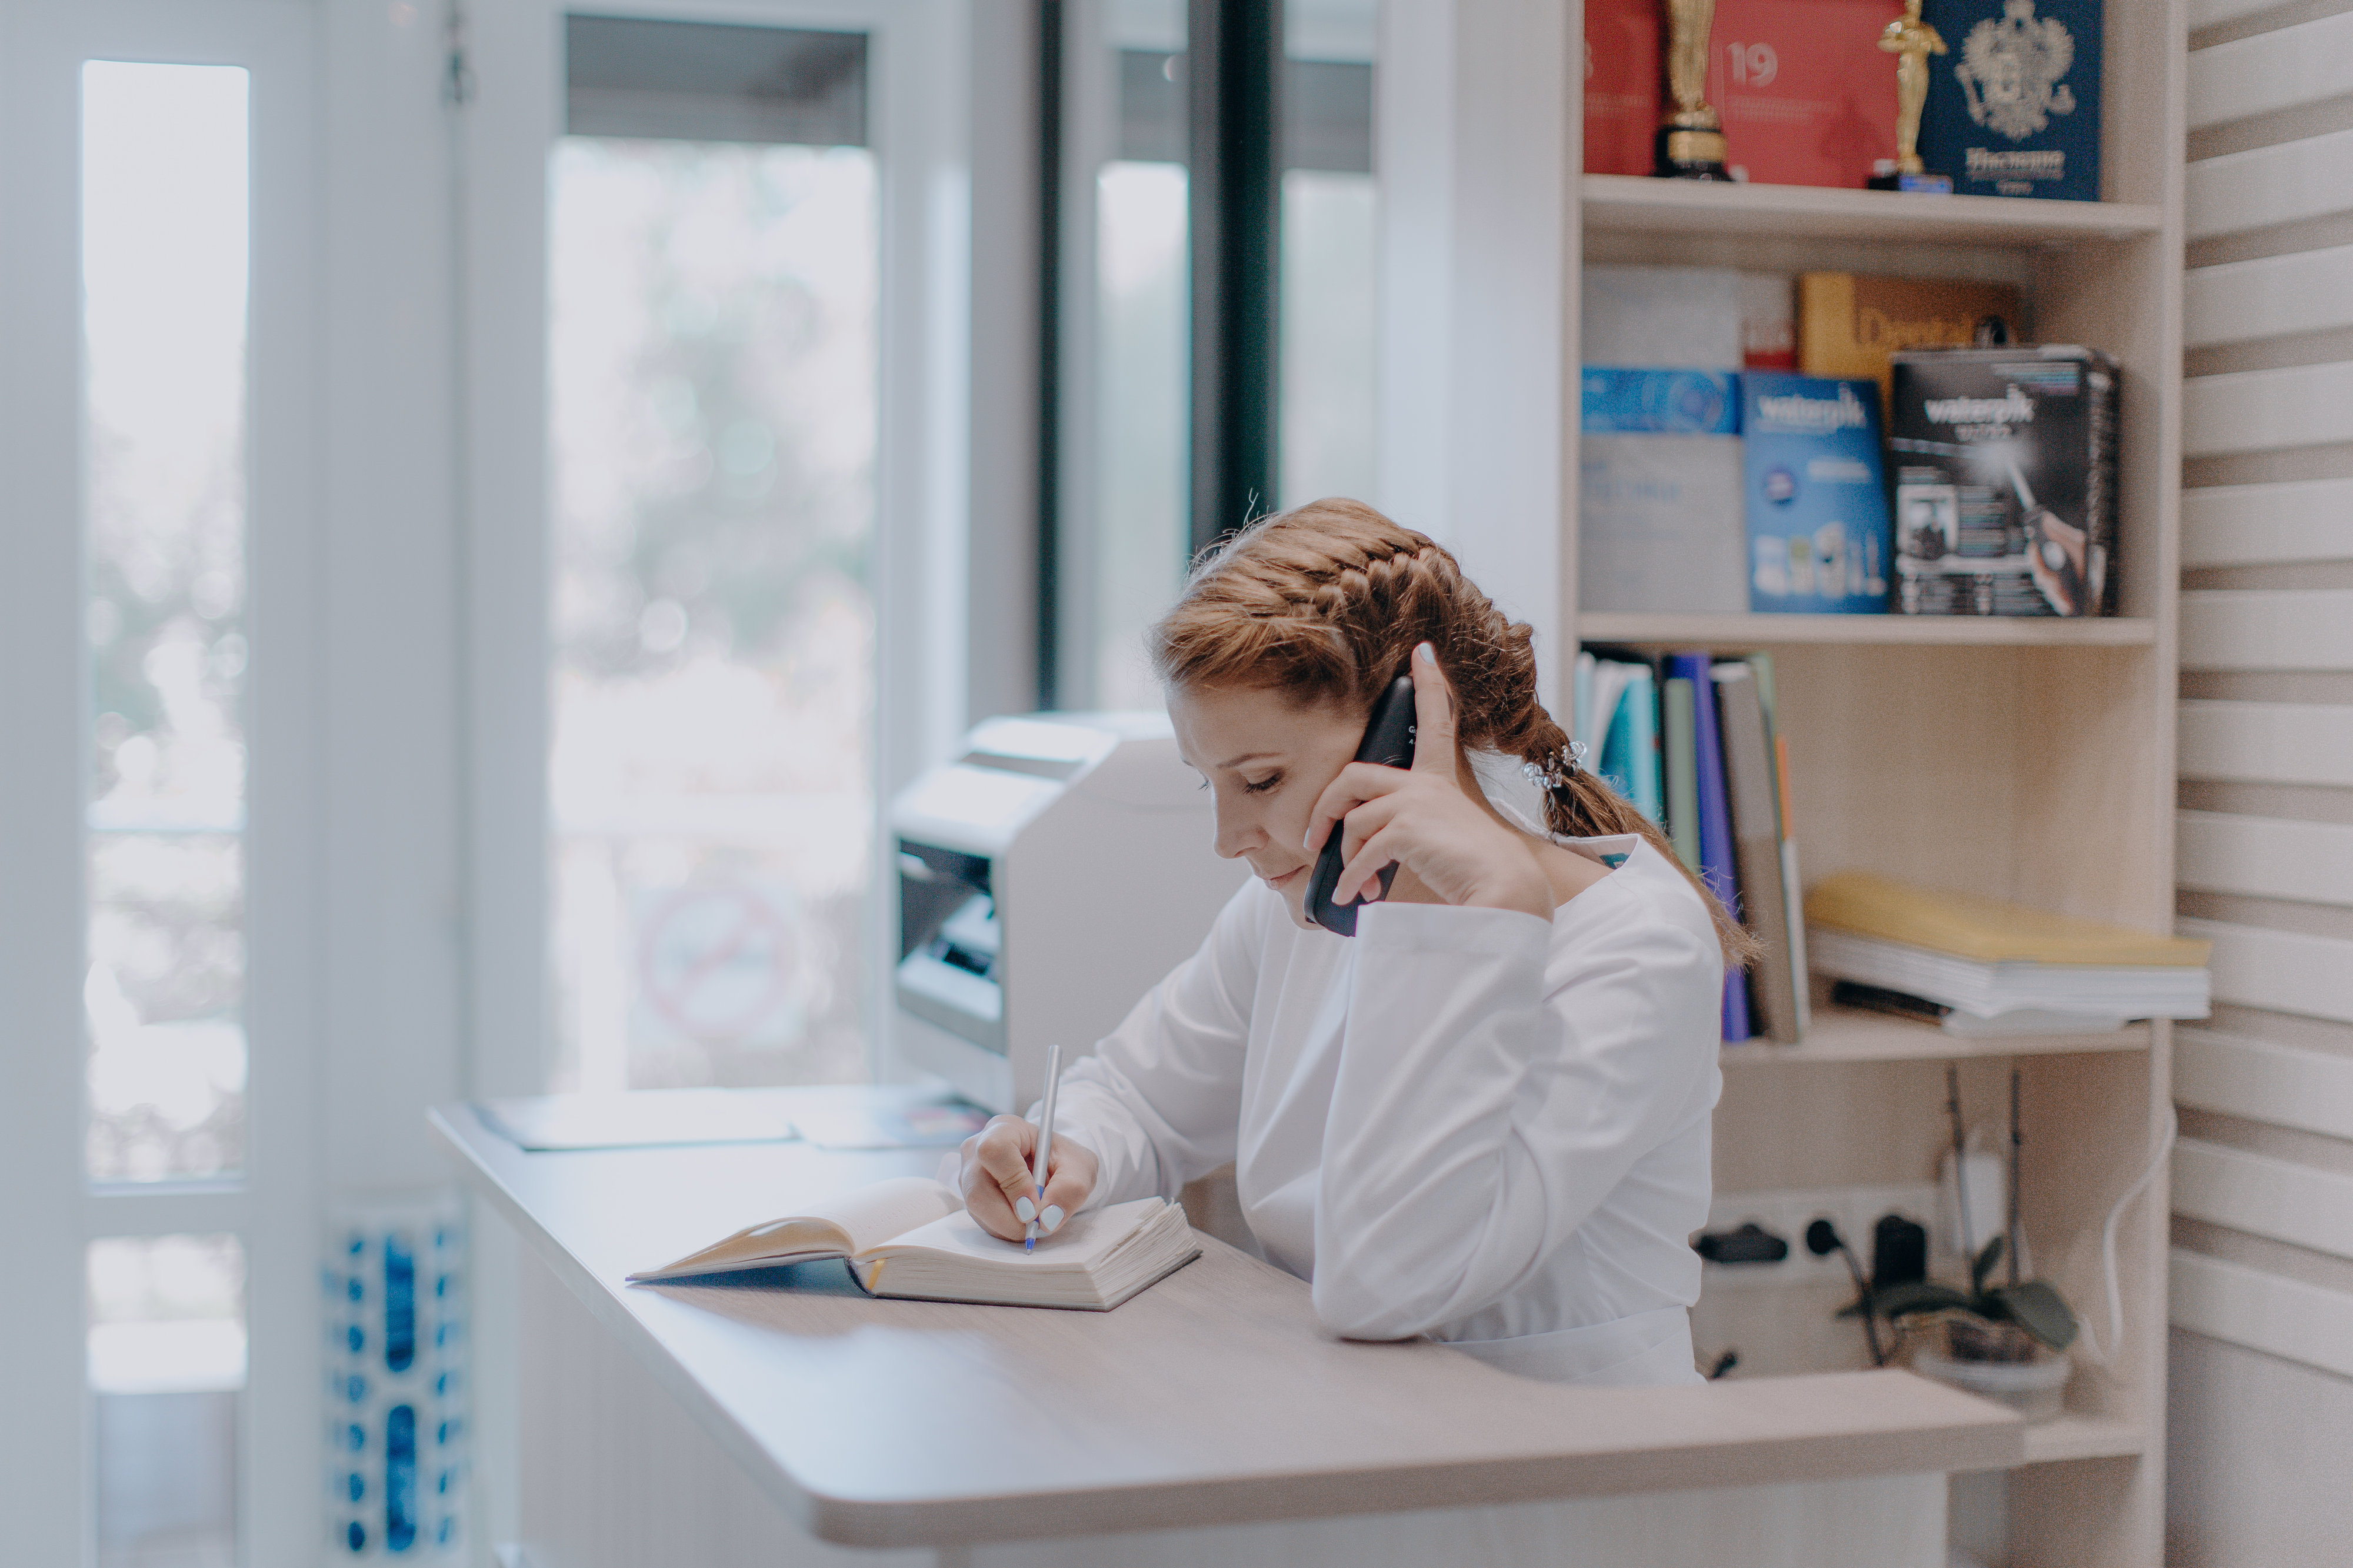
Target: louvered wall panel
(2264, 857)
(2267, 559)
(2267, 524)
(2267, 743)
(2293, 628)
(2268, 410)
(2270, 71)
(2266, 187)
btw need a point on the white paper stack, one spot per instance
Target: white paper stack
(2069, 995)
(2000, 968)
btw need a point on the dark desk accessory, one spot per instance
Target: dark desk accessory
(1752, 1243)
(1822, 1239)
(1899, 1252)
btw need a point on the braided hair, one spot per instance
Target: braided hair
(1327, 601)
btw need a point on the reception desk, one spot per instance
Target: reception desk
(786, 1418)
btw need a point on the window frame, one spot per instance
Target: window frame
(47, 1485)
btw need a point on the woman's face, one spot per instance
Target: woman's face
(1265, 761)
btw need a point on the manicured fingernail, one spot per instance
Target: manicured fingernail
(1052, 1218)
(1024, 1210)
(1425, 653)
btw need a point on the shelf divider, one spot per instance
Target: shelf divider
(1852, 1035)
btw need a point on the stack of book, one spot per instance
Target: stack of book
(1690, 741)
(1982, 967)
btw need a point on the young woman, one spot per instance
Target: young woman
(1485, 1118)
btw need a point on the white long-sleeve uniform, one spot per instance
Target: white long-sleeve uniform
(1465, 1122)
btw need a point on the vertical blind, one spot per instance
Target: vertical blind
(2263, 1185)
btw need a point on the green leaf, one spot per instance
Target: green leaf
(1912, 1296)
(2041, 1310)
(1987, 1258)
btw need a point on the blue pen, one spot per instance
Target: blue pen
(1045, 1141)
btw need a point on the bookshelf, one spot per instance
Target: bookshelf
(2029, 760)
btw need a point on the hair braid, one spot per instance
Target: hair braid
(1327, 601)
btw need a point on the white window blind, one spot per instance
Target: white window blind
(2261, 1259)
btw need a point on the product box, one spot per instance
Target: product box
(2013, 105)
(2005, 482)
(1806, 94)
(1659, 524)
(1621, 85)
(1690, 402)
(1813, 495)
(1706, 317)
(1849, 324)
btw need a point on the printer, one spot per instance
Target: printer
(1049, 876)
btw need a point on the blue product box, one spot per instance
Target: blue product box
(1629, 400)
(1814, 495)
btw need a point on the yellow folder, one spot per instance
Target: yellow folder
(1987, 930)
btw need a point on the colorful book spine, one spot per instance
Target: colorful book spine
(1716, 853)
(1678, 752)
(1639, 711)
(1749, 771)
(1628, 759)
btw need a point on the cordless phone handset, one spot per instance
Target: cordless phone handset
(1388, 741)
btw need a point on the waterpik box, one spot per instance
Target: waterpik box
(1813, 495)
(2005, 466)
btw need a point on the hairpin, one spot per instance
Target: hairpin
(1554, 771)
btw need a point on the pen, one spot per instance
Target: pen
(1045, 1139)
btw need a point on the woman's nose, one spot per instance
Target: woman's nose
(1234, 833)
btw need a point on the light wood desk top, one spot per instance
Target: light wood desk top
(1211, 1398)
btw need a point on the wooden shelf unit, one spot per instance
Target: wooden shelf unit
(2029, 760)
(1623, 202)
(1849, 1035)
(1741, 632)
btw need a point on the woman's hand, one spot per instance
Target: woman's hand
(1425, 820)
(1000, 1189)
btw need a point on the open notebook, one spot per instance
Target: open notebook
(910, 1237)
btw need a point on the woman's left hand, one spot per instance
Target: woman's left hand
(1425, 820)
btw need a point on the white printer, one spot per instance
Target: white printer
(1049, 877)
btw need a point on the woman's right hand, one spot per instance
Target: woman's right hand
(1000, 1189)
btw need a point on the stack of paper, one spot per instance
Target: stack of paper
(1987, 961)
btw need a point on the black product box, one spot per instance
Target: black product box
(2004, 463)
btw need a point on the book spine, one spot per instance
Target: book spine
(1682, 777)
(1793, 894)
(1715, 854)
(1640, 710)
(1580, 705)
(1756, 845)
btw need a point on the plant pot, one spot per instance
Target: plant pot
(2033, 1388)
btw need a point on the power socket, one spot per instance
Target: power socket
(1856, 1211)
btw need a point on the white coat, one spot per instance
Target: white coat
(1464, 1124)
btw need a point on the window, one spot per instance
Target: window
(164, 205)
(1128, 532)
(713, 273)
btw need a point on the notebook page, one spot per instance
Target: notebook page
(872, 1214)
(846, 1223)
(1084, 1240)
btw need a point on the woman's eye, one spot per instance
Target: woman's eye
(1259, 787)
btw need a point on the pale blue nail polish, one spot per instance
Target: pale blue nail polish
(1024, 1210)
(1052, 1218)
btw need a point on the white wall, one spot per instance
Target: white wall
(2261, 1390)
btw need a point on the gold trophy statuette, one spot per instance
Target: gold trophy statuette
(1690, 144)
(1911, 41)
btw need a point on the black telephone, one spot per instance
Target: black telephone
(1388, 741)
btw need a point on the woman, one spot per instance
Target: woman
(1485, 1119)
